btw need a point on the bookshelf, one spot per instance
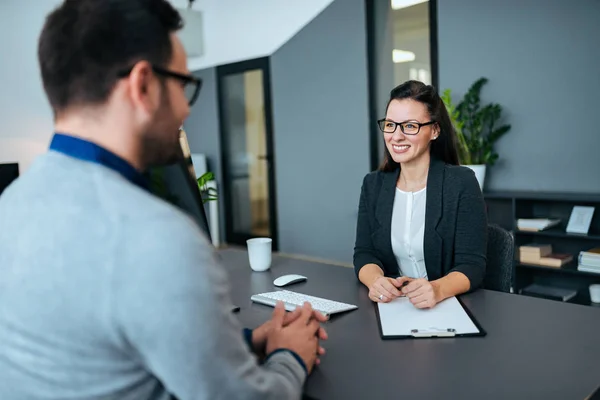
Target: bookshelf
(504, 208)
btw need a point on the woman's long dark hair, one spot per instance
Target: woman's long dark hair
(444, 147)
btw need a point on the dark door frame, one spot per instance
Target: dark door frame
(263, 64)
(374, 134)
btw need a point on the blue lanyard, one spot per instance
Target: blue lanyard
(88, 151)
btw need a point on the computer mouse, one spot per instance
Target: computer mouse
(288, 279)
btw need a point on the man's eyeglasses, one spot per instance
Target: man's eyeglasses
(408, 127)
(191, 84)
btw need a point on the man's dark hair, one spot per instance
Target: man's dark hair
(86, 43)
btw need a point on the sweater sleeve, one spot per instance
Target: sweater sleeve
(172, 307)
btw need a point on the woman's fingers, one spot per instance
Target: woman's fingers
(390, 287)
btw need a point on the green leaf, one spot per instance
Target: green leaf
(207, 193)
(463, 148)
(205, 178)
(478, 125)
(498, 133)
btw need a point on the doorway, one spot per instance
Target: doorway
(245, 115)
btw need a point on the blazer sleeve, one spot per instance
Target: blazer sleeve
(364, 252)
(471, 232)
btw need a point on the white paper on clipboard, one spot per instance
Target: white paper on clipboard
(399, 317)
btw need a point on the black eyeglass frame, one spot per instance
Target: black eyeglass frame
(401, 125)
(187, 79)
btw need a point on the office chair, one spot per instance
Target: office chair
(500, 254)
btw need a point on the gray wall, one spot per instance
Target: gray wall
(202, 129)
(542, 58)
(24, 111)
(319, 83)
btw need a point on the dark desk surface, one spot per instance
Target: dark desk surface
(534, 349)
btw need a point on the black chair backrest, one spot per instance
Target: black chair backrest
(500, 255)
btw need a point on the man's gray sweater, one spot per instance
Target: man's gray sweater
(108, 292)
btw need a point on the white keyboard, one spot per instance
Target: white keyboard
(291, 300)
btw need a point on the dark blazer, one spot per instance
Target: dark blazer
(455, 237)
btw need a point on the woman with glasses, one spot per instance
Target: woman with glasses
(422, 225)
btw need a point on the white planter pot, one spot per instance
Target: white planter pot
(479, 173)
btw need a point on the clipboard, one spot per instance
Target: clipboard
(421, 323)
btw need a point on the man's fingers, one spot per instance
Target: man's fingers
(278, 315)
(322, 334)
(313, 327)
(319, 316)
(306, 314)
(291, 316)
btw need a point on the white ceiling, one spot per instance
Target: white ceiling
(236, 30)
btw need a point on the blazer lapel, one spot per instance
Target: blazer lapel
(433, 214)
(383, 214)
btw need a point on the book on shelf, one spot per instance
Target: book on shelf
(534, 250)
(541, 254)
(585, 268)
(595, 252)
(549, 292)
(536, 224)
(590, 258)
(555, 260)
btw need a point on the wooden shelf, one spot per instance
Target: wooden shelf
(558, 233)
(569, 269)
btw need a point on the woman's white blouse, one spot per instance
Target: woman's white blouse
(408, 229)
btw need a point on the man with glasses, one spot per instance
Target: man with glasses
(106, 291)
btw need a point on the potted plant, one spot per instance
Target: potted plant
(208, 192)
(476, 128)
(159, 187)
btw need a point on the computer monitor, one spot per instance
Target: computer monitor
(8, 173)
(179, 186)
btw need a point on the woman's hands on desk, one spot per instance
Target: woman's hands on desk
(425, 294)
(384, 289)
(420, 292)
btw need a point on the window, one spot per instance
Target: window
(402, 40)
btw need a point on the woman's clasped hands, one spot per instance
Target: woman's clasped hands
(421, 292)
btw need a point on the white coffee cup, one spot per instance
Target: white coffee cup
(259, 253)
(595, 293)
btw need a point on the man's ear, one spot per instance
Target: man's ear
(144, 89)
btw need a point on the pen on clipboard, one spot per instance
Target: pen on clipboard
(433, 332)
(401, 286)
